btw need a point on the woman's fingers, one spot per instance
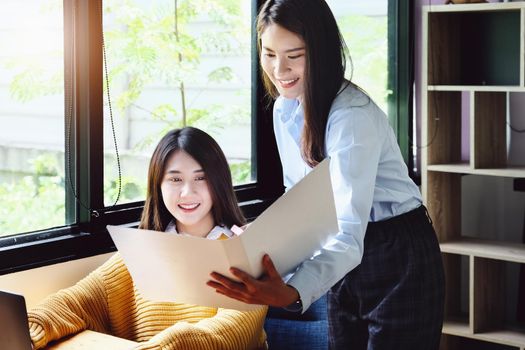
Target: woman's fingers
(243, 276)
(227, 282)
(231, 293)
(215, 285)
(269, 267)
(233, 289)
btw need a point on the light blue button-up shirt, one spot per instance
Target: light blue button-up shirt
(369, 178)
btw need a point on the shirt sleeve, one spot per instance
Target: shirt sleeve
(353, 144)
(69, 311)
(228, 329)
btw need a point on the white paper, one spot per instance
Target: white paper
(169, 267)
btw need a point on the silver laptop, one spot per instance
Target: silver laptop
(14, 334)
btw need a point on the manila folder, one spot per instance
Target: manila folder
(171, 267)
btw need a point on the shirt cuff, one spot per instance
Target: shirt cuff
(306, 285)
(296, 306)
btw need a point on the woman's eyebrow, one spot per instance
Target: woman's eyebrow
(174, 171)
(290, 50)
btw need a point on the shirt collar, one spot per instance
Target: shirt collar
(215, 232)
(289, 109)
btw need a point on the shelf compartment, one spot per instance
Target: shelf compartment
(456, 290)
(486, 319)
(488, 142)
(443, 202)
(464, 168)
(444, 127)
(489, 304)
(512, 252)
(486, 286)
(466, 48)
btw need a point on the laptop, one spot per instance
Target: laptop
(14, 334)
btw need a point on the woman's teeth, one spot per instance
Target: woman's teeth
(189, 206)
(288, 81)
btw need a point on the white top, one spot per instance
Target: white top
(369, 178)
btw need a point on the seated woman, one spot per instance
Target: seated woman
(189, 192)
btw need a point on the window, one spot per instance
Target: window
(363, 25)
(171, 64)
(57, 123)
(83, 132)
(379, 41)
(31, 117)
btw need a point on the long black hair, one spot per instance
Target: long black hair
(205, 150)
(326, 54)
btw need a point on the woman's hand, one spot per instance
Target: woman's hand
(269, 289)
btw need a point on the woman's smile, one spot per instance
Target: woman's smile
(286, 84)
(188, 207)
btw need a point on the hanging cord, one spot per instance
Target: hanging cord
(69, 120)
(513, 128)
(111, 113)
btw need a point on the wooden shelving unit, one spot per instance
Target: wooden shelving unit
(474, 52)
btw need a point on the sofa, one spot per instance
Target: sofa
(293, 330)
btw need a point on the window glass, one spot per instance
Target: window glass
(31, 116)
(170, 63)
(174, 63)
(364, 25)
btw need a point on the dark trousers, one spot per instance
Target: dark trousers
(394, 299)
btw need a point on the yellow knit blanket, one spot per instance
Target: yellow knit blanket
(107, 301)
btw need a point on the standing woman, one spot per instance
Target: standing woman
(383, 271)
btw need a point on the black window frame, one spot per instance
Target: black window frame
(401, 77)
(88, 236)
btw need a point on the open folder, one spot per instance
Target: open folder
(168, 267)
